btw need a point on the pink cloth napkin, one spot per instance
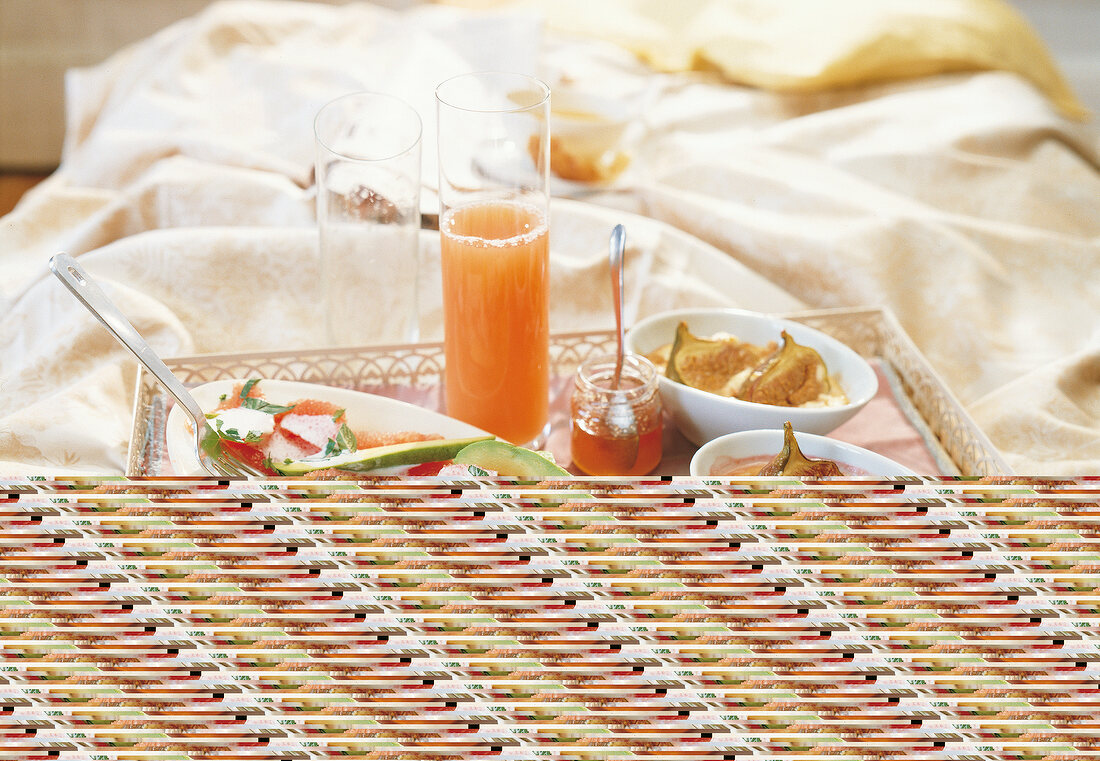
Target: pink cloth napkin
(883, 427)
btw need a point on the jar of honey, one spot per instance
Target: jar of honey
(616, 431)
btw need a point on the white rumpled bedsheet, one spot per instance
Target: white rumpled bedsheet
(965, 202)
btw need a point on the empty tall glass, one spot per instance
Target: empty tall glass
(368, 212)
(494, 228)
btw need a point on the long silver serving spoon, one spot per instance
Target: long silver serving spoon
(621, 421)
(207, 445)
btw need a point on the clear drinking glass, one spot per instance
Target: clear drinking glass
(368, 213)
(494, 226)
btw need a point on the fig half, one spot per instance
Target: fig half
(791, 377)
(791, 462)
(716, 365)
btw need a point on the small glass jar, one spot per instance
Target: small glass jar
(616, 432)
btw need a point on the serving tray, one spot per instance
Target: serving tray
(413, 373)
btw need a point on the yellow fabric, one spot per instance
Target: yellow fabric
(809, 45)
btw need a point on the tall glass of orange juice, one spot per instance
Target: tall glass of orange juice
(494, 143)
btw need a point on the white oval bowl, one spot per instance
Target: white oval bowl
(702, 416)
(767, 443)
(365, 412)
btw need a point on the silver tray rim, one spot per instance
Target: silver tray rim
(955, 442)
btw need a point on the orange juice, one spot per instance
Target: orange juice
(496, 263)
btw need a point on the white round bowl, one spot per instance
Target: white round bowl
(853, 460)
(702, 416)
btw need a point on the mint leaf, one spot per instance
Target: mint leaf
(344, 442)
(248, 387)
(337, 415)
(253, 403)
(345, 439)
(232, 434)
(211, 442)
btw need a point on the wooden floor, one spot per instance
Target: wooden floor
(13, 186)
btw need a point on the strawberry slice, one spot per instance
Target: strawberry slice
(428, 468)
(314, 407)
(250, 454)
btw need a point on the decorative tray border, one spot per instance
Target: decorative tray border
(414, 372)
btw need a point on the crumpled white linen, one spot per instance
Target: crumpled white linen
(964, 202)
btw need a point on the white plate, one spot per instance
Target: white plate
(365, 412)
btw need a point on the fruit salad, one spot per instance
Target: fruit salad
(314, 437)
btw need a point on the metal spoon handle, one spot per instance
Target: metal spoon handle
(73, 276)
(615, 258)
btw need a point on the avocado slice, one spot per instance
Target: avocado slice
(506, 459)
(388, 456)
